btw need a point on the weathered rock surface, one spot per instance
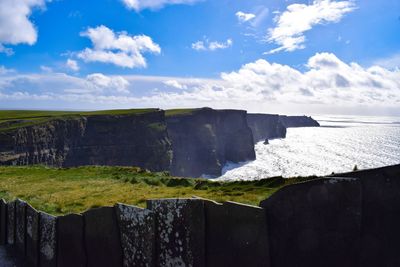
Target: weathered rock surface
(32, 236)
(70, 241)
(180, 233)
(11, 223)
(236, 235)
(20, 225)
(204, 140)
(137, 231)
(128, 140)
(316, 223)
(3, 222)
(266, 126)
(102, 238)
(380, 238)
(47, 240)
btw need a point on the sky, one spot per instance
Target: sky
(273, 56)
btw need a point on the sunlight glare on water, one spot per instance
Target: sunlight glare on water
(336, 146)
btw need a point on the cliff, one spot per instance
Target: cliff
(266, 126)
(192, 142)
(124, 140)
(298, 121)
(204, 140)
(271, 126)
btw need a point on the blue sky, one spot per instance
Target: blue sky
(321, 56)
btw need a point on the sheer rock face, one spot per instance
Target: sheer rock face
(126, 140)
(266, 126)
(205, 140)
(271, 126)
(298, 121)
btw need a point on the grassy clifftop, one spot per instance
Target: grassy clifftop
(61, 191)
(13, 119)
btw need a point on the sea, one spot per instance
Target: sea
(341, 144)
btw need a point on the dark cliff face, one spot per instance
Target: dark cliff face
(41, 144)
(123, 140)
(270, 126)
(205, 139)
(266, 126)
(298, 121)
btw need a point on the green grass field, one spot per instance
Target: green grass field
(61, 191)
(174, 112)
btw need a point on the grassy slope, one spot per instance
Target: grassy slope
(174, 112)
(12, 119)
(61, 191)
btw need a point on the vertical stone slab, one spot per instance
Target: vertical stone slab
(180, 231)
(20, 226)
(102, 238)
(137, 230)
(11, 223)
(3, 222)
(47, 240)
(70, 241)
(236, 235)
(316, 223)
(32, 236)
(380, 241)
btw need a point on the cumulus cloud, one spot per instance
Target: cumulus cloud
(4, 70)
(46, 68)
(391, 62)
(175, 84)
(15, 26)
(211, 46)
(72, 65)
(300, 18)
(139, 5)
(244, 17)
(120, 48)
(100, 82)
(327, 85)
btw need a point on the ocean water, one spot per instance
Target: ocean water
(337, 146)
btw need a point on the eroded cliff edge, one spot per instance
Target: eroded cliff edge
(272, 126)
(116, 140)
(190, 143)
(204, 140)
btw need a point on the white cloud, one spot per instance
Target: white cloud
(391, 62)
(220, 45)
(300, 18)
(119, 49)
(72, 65)
(175, 84)
(15, 26)
(46, 68)
(6, 50)
(211, 46)
(4, 70)
(328, 85)
(139, 5)
(102, 82)
(244, 17)
(199, 46)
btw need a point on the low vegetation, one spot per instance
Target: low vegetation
(68, 190)
(175, 112)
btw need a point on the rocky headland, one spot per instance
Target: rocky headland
(190, 143)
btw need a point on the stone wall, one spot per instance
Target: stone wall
(330, 221)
